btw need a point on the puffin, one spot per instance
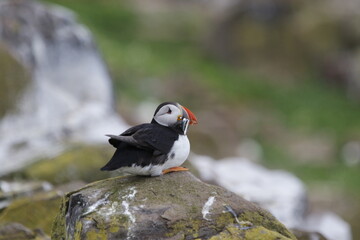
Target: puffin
(155, 148)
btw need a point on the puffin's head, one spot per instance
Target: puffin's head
(171, 114)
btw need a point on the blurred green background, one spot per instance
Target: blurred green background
(277, 76)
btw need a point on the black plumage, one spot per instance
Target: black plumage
(147, 144)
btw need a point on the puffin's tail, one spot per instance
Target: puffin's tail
(113, 164)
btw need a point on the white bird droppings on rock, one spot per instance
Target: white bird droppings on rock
(128, 210)
(132, 193)
(207, 206)
(97, 204)
(126, 205)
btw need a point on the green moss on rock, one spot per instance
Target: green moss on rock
(35, 212)
(79, 163)
(264, 218)
(59, 225)
(255, 233)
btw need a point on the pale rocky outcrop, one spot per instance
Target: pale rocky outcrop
(173, 206)
(56, 87)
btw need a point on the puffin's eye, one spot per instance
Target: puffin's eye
(169, 111)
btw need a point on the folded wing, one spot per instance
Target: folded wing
(141, 145)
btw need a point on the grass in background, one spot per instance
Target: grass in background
(135, 59)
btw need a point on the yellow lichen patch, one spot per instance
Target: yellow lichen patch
(58, 226)
(193, 226)
(223, 220)
(265, 219)
(231, 232)
(114, 229)
(96, 235)
(190, 227)
(261, 233)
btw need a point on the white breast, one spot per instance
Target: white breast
(178, 153)
(177, 156)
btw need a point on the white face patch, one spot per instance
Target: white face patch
(168, 115)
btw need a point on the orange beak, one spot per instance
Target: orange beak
(192, 118)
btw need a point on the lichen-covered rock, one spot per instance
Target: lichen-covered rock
(79, 163)
(34, 212)
(173, 206)
(53, 52)
(258, 232)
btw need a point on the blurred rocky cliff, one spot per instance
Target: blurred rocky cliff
(55, 85)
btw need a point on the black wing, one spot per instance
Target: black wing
(141, 145)
(115, 142)
(147, 136)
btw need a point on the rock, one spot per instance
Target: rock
(34, 212)
(173, 206)
(67, 96)
(16, 231)
(10, 190)
(79, 163)
(28, 208)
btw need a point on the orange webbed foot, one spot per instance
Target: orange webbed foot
(174, 169)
